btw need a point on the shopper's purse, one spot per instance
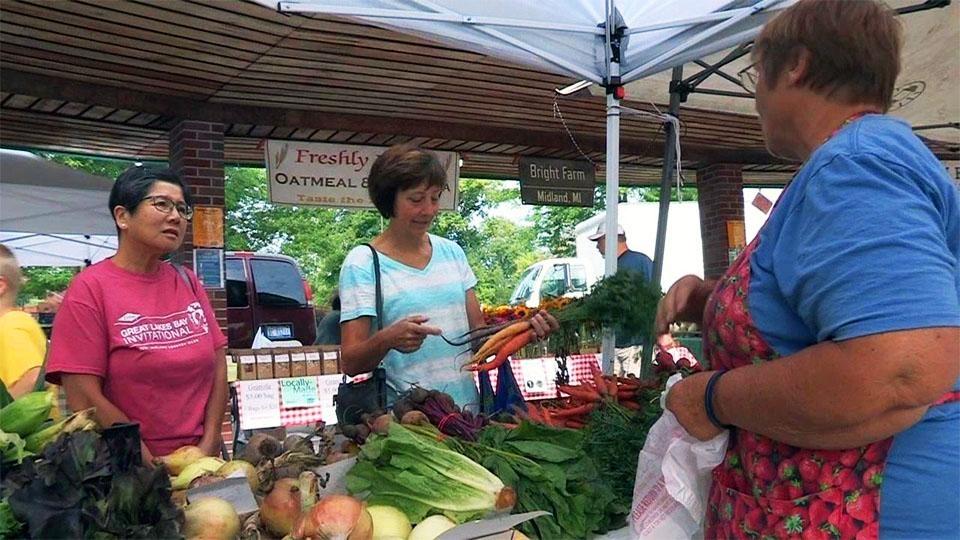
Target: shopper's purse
(355, 398)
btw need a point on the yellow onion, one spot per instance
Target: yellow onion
(281, 507)
(211, 519)
(335, 517)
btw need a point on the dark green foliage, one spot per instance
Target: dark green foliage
(72, 491)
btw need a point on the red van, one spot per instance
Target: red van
(268, 292)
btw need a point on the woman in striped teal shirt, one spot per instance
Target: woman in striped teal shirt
(428, 286)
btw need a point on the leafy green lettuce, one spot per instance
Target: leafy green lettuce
(421, 477)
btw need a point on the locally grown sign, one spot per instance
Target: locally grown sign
(555, 182)
(335, 175)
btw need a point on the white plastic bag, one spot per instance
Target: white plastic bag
(674, 472)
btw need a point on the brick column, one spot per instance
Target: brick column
(720, 188)
(196, 153)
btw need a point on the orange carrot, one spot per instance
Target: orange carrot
(575, 411)
(585, 393)
(513, 345)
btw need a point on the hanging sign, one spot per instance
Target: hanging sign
(556, 182)
(335, 175)
(762, 203)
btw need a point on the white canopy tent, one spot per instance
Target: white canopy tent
(51, 214)
(606, 42)
(621, 42)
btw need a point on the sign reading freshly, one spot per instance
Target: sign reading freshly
(556, 182)
(335, 175)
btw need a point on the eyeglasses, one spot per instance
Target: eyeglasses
(748, 77)
(166, 206)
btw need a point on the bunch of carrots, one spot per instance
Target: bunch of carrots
(584, 398)
(505, 341)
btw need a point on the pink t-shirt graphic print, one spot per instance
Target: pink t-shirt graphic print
(170, 331)
(152, 338)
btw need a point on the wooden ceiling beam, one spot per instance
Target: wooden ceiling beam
(49, 87)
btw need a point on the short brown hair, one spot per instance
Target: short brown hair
(401, 167)
(10, 271)
(854, 48)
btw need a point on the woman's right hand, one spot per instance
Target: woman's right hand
(684, 301)
(407, 334)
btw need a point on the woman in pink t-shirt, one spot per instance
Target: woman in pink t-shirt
(135, 336)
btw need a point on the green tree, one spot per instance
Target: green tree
(320, 238)
(39, 280)
(106, 167)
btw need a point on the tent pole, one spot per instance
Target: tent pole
(610, 224)
(666, 177)
(612, 81)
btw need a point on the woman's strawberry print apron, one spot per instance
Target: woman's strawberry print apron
(766, 489)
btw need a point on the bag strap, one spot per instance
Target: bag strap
(379, 297)
(186, 279)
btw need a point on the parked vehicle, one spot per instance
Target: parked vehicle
(267, 292)
(553, 278)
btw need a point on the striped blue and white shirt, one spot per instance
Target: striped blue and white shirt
(438, 292)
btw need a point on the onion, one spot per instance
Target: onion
(211, 519)
(335, 517)
(249, 471)
(389, 523)
(281, 508)
(431, 527)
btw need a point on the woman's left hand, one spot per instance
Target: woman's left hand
(685, 401)
(543, 324)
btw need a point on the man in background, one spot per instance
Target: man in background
(628, 348)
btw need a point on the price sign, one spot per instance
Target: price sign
(259, 404)
(299, 392)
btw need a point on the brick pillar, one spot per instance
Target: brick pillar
(196, 153)
(720, 188)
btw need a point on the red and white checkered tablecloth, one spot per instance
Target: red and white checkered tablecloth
(537, 376)
(293, 416)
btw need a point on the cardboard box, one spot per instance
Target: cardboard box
(298, 364)
(246, 364)
(264, 364)
(281, 364)
(314, 361)
(331, 360)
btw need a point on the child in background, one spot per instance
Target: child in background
(22, 342)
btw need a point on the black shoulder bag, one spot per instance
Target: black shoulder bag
(354, 399)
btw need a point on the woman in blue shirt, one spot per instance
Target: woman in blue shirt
(834, 337)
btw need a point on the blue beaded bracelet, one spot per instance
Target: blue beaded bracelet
(708, 400)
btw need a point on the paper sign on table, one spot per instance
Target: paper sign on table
(535, 377)
(259, 404)
(327, 386)
(299, 392)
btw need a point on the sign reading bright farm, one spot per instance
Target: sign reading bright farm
(335, 175)
(555, 182)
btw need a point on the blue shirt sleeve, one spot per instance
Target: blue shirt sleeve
(870, 251)
(467, 276)
(357, 285)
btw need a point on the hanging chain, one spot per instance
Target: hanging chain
(558, 114)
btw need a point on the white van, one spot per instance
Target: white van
(553, 278)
